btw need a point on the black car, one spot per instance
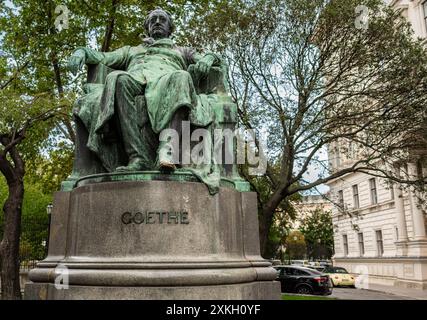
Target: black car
(303, 280)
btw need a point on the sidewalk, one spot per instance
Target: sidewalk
(403, 292)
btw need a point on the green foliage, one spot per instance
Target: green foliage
(318, 232)
(296, 247)
(22, 115)
(282, 224)
(50, 170)
(34, 220)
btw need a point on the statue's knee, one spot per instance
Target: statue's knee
(123, 79)
(120, 77)
(181, 75)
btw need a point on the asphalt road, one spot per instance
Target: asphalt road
(362, 294)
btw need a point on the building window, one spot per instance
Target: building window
(380, 246)
(373, 188)
(425, 13)
(345, 244)
(356, 196)
(341, 199)
(361, 244)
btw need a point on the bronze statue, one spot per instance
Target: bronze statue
(136, 92)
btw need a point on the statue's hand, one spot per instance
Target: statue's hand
(77, 61)
(204, 65)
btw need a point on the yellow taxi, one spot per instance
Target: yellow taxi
(340, 276)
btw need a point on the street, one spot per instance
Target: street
(362, 294)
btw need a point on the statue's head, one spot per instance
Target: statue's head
(159, 24)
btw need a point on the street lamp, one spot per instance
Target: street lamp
(282, 253)
(49, 212)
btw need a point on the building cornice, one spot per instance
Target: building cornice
(389, 204)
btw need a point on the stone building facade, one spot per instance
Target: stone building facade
(308, 204)
(380, 229)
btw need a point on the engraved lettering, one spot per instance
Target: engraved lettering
(155, 217)
(173, 216)
(127, 218)
(150, 218)
(184, 218)
(161, 214)
(138, 218)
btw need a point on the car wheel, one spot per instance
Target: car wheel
(304, 290)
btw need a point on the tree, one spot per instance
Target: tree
(22, 129)
(304, 72)
(318, 232)
(284, 215)
(295, 245)
(34, 220)
(51, 169)
(279, 231)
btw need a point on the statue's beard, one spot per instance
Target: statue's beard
(159, 33)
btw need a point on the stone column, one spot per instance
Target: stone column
(400, 214)
(417, 214)
(399, 202)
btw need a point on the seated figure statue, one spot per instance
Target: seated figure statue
(148, 88)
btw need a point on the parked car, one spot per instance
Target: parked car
(303, 280)
(318, 268)
(340, 276)
(325, 263)
(302, 263)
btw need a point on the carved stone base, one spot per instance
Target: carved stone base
(153, 240)
(245, 291)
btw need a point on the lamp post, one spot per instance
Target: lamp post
(49, 212)
(282, 253)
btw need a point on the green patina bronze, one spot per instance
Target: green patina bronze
(133, 94)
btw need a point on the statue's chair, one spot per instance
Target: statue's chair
(86, 162)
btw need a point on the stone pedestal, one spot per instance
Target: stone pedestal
(153, 240)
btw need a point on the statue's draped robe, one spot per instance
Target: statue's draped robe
(161, 70)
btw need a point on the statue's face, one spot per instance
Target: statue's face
(159, 25)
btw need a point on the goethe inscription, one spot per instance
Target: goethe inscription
(155, 217)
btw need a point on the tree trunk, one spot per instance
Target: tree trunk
(9, 247)
(264, 228)
(266, 219)
(265, 222)
(109, 29)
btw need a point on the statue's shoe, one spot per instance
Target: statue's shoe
(166, 166)
(136, 164)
